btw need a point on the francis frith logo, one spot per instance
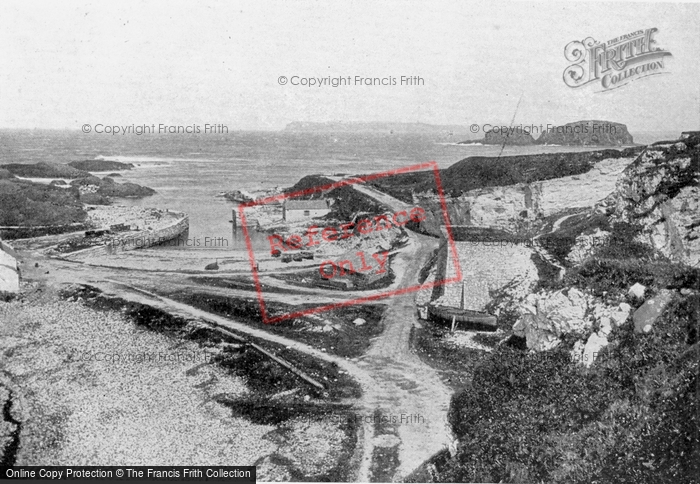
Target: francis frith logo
(614, 63)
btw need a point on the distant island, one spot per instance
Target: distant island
(517, 138)
(588, 133)
(579, 133)
(376, 127)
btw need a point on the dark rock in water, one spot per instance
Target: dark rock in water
(587, 133)
(113, 175)
(214, 266)
(58, 182)
(100, 165)
(647, 314)
(44, 170)
(516, 136)
(125, 190)
(236, 196)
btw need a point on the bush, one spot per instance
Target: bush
(616, 276)
(632, 417)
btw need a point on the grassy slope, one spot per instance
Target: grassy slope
(26, 203)
(632, 417)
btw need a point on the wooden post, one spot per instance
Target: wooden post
(233, 218)
(454, 322)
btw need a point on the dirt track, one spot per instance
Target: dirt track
(397, 386)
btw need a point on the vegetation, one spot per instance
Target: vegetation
(44, 170)
(23, 203)
(634, 416)
(348, 201)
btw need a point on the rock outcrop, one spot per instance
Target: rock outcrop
(587, 245)
(505, 137)
(660, 190)
(647, 314)
(509, 206)
(587, 133)
(44, 170)
(546, 317)
(107, 187)
(100, 165)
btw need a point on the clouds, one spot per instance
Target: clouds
(183, 63)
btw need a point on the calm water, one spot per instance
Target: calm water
(188, 171)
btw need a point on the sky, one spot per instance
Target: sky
(121, 63)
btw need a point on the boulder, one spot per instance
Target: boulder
(620, 315)
(359, 322)
(647, 314)
(596, 342)
(637, 290)
(545, 318)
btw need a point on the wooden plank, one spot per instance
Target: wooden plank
(276, 359)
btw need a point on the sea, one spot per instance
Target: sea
(189, 170)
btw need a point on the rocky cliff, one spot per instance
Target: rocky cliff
(660, 191)
(587, 133)
(510, 206)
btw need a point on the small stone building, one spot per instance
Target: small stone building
(294, 210)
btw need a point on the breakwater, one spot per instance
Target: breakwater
(136, 240)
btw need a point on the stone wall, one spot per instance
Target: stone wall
(484, 268)
(9, 271)
(136, 240)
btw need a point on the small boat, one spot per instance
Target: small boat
(470, 318)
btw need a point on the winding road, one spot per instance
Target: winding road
(398, 389)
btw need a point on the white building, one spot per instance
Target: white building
(294, 210)
(9, 272)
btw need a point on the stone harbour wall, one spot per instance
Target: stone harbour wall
(135, 240)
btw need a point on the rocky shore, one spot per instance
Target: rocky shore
(49, 198)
